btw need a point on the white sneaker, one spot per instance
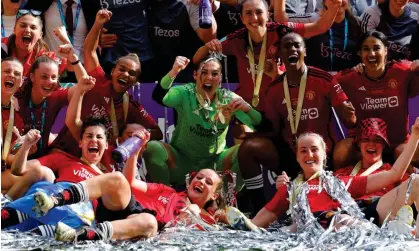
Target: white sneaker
(65, 233)
(402, 223)
(239, 221)
(4, 201)
(43, 203)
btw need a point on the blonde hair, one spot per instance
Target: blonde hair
(319, 138)
(221, 201)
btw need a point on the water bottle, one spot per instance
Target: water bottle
(205, 14)
(126, 149)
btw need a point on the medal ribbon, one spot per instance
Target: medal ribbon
(125, 100)
(301, 92)
(3, 32)
(298, 184)
(8, 137)
(41, 130)
(261, 64)
(76, 21)
(212, 119)
(204, 104)
(370, 169)
(93, 166)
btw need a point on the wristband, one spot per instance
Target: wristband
(16, 146)
(74, 63)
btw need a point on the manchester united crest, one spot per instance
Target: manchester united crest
(310, 95)
(392, 83)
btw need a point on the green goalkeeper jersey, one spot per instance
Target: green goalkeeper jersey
(201, 128)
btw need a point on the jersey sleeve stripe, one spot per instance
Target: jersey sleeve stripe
(364, 21)
(320, 74)
(237, 34)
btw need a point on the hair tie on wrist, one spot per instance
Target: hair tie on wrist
(74, 63)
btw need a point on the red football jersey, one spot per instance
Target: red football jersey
(97, 102)
(347, 171)
(385, 98)
(163, 199)
(54, 103)
(68, 168)
(32, 56)
(321, 92)
(319, 202)
(18, 122)
(237, 44)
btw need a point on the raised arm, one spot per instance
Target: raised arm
(91, 60)
(19, 165)
(205, 35)
(130, 168)
(280, 15)
(201, 53)
(213, 45)
(378, 181)
(73, 115)
(163, 94)
(61, 33)
(67, 51)
(324, 23)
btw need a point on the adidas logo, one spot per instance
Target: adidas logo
(106, 99)
(362, 88)
(284, 102)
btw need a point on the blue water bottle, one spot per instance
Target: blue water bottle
(205, 14)
(126, 149)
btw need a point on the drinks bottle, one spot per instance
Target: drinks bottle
(205, 14)
(126, 149)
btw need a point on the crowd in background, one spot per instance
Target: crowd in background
(158, 31)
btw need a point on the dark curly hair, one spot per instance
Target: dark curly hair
(93, 121)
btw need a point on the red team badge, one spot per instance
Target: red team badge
(310, 95)
(392, 83)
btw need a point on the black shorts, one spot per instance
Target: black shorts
(370, 210)
(104, 214)
(326, 217)
(287, 158)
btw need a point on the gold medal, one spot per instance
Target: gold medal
(255, 100)
(257, 73)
